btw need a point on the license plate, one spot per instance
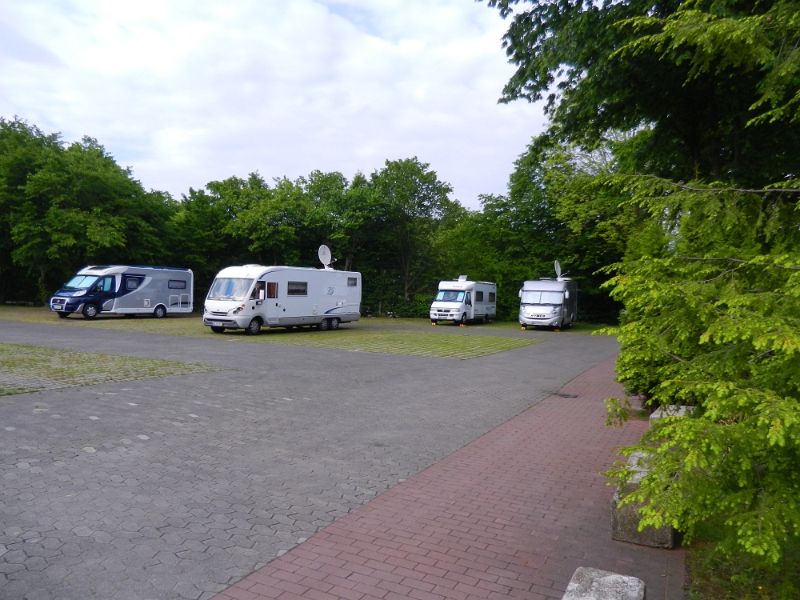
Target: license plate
(215, 324)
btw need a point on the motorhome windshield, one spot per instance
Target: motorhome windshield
(229, 288)
(80, 282)
(449, 296)
(533, 297)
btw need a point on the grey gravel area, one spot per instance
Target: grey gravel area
(180, 486)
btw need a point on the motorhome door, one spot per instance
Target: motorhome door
(272, 303)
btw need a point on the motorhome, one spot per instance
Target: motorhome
(548, 303)
(462, 301)
(125, 290)
(253, 296)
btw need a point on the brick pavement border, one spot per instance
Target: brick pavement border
(512, 514)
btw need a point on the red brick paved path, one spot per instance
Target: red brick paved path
(512, 514)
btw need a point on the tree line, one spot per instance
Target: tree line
(63, 206)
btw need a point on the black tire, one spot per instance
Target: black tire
(62, 315)
(323, 325)
(217, 329)
(334, 324)
(90, 311)
(484, 320)
(463, 320)
(253, 327)
(159, 312)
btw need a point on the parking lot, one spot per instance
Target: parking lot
(178, 486)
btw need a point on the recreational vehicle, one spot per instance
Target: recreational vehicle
(125, 290)
(252, 296)
(548, 303)
(461, 301)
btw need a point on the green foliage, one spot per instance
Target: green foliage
(713, 320)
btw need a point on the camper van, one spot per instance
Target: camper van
(461, 301)
(548, 303)
(252, 296)
(125, 290)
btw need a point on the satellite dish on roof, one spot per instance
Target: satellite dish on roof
(324, 254)
(557, 265)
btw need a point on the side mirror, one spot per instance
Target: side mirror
(566, 294)
(261, 294)
(520, 294)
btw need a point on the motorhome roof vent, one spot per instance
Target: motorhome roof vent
(462, 277)
(545, 279)
(250, 266)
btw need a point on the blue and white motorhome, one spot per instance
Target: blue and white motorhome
(253, 296)
(126, 290)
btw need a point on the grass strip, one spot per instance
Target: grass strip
(26, 369)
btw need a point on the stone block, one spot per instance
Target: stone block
(671, 410)
(594, 584)
(625, 519)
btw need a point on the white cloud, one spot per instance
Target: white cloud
(189, 92)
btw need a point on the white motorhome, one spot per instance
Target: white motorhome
(461, 301)
(548, 303)
(125, 290)
(253, 296)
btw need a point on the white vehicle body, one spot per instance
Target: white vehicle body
(281, 297)
(548, 303)
(126, 290)
(464, 301)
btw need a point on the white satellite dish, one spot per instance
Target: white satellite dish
(324, 254)
(557, 265)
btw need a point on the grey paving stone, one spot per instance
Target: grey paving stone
(175, 506)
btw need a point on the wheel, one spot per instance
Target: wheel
(254, 327)
(463, 320)
(160, 312)
(334, 323)
(90, 311)
(483, 320)
(217, 329)
(62, 315)
(323, 325)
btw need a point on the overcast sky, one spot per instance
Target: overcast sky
(190, 92)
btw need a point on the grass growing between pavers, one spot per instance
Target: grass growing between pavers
(26, 369)
(369, 335)
(713, 576)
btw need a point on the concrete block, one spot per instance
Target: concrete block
(625, 519)
(594, 584)
(671, 410)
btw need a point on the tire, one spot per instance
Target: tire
(484, 320)
(254, 327)
(334, 324)
(160, 312)
(217, 329)
(62, 315)
(90, 311)
(323, 325)
(463, 320)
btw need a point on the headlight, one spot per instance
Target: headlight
(236, 310)
(556, 309)
(79, 293)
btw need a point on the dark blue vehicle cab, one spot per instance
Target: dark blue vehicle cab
(84, 294)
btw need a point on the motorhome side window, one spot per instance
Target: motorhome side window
(272, 289)
(297, 288)
(132, 284)
(352, 282)
(478, 296)
(176, 284)
(491, 297)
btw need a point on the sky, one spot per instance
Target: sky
(190, 92)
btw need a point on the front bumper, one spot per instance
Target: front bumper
(228, 321)
(548, 321)
(444, 316)
(65, 305)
